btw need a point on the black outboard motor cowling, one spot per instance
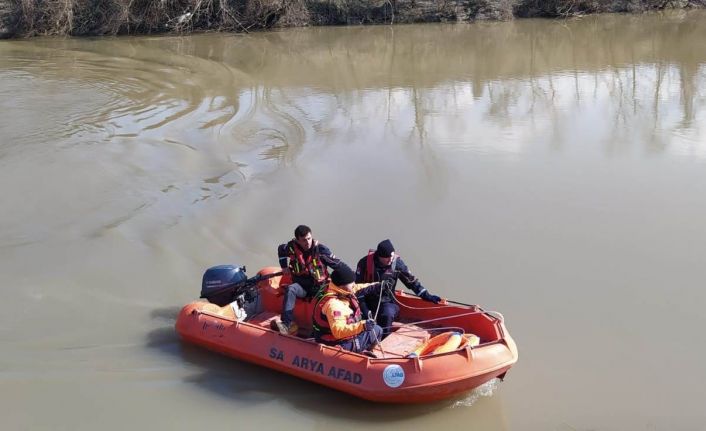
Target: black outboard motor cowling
(221, 283)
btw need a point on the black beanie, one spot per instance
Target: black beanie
(385, 249)
(342, 275)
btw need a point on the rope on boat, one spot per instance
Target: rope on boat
(421, 322)
(402, 330)
(419, 308)
(377, 339)
(479, 310)
(384, 285)
(492, 313)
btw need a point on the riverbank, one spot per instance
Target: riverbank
(26, 18)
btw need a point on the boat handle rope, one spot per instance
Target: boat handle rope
(402, 330)
(496, 314)
(436, 307)
(379, 345)
(443, 318)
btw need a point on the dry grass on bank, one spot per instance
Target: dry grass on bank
(100, 17)
(97, 17)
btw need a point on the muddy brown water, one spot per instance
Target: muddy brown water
(554, 171)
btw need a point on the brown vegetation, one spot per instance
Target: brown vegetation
(100, 17)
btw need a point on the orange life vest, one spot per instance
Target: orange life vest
(310, 266)
(322, 328)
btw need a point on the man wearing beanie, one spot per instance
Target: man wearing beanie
(337, 318)
(382, 264)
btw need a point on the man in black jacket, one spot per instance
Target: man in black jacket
(384, 265)
(306, 260)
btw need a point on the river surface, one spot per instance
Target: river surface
(554, 171)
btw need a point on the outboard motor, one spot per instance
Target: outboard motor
(221, 284)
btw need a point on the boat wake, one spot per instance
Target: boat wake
(485, 390)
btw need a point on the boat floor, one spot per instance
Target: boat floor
(403, 339)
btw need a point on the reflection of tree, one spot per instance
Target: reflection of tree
(532, 62)
(688, 74)
(254, 91)
(435, 175)
(194, 117)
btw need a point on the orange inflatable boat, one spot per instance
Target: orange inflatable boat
(437, 351)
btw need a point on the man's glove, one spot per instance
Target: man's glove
(369, 324)
(431, 298)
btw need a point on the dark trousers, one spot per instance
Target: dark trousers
(363, 341)
(300, 288)
(389, 312)
(294, 291)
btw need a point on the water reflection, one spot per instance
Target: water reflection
(177, 111)
(270, 90)
(543, 160)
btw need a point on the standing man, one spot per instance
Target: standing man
(337, 318)
(306, 260)
(384, 265)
